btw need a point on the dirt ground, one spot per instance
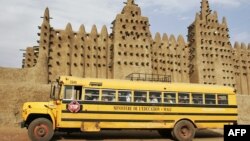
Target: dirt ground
(14, 134)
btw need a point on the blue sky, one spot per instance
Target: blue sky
(19, 19)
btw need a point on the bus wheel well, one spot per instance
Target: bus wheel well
(187, 120)
(35, 116)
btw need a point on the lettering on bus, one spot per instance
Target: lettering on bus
(142, 108)
(73, 82)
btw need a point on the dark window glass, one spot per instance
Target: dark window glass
(210, 99)
(108, 95)
(140, 96)
(155, 97)
(170, 98)
(183, 98)
(124, 96)
(197, 98)
(222, 99)
(91, 95)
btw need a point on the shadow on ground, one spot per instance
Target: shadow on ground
(128, 134)
(209, 133)
(104, 135)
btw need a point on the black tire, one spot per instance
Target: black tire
(165, 133)
(40, 129)
(184, 130)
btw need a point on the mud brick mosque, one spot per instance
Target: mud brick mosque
(207, 57)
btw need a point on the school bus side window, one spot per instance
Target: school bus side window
(73, 93)
(197, 98)
(170, 98)
(91, 95)
(155, 97)
(222, 99)
(210, 99)
(108, 95)
(124, 96)
(140, 97)
(183, 98)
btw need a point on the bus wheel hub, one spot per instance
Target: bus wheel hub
(184, 131)
(41, 130)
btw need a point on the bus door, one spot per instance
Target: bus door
(71, 102)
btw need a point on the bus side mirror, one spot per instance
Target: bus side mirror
(54, 90)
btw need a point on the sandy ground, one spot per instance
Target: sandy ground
(14, 134)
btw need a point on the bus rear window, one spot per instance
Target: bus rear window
(222, 99)
(210, 99)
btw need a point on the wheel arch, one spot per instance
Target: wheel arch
(34, 116)
(187, 120)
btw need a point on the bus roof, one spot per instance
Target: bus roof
(145, 85)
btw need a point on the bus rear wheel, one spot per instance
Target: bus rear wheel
(184, 130)
(40, 129)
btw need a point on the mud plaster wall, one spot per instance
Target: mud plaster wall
(13, 95)
(207, 57)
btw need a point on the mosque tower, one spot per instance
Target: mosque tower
(210, 49)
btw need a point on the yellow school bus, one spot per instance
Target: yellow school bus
(91, 105)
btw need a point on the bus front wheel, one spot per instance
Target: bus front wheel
(184, 130)
(40, 129)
